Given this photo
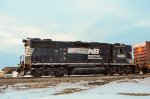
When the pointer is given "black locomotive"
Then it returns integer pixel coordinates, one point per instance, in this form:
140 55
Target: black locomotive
44 57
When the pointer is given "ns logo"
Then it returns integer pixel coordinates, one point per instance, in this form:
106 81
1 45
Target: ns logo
93 51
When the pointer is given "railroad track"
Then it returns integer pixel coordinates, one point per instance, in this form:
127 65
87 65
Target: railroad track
72 79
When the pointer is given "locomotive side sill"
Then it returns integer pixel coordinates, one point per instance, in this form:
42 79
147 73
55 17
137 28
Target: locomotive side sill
118 64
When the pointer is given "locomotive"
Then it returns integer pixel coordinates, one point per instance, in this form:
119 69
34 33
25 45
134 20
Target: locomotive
45 57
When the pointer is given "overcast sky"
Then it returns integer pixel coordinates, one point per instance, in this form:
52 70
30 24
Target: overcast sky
124 21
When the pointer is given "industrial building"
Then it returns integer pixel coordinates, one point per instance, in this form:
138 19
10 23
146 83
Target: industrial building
2 74
9 70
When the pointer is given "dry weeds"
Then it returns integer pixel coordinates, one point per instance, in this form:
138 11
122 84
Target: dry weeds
97 83
68 91
135 94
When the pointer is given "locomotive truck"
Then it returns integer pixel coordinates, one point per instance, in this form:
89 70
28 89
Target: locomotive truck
45 57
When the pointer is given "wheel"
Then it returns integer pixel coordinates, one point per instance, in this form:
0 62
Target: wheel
106 72
111 71
56 73
46 73
127 70
61 74
120 71
144 70
39 72
121 74
36 73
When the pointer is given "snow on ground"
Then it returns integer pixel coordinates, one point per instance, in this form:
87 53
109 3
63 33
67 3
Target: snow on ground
123 89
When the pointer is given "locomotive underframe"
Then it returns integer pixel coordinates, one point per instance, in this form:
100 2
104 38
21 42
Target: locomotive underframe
63 69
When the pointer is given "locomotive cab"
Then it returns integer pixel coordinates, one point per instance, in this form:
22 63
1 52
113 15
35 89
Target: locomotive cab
121 60
122 53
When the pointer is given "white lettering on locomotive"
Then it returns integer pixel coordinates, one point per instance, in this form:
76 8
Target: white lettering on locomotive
93 51
83 51
28 51
94 57
121 55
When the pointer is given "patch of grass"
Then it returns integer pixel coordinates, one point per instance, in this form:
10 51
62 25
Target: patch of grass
135 94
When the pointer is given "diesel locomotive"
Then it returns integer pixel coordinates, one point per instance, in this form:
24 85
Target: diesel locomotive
45 57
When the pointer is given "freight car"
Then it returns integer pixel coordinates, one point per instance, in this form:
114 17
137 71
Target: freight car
45 57
142 56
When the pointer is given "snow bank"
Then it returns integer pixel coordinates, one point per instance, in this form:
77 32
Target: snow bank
107 91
